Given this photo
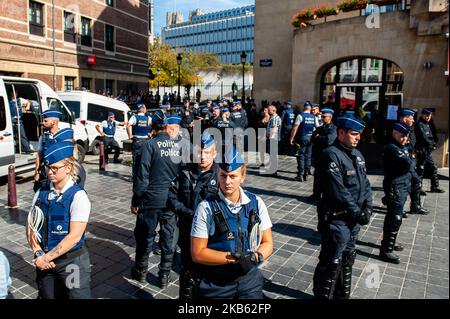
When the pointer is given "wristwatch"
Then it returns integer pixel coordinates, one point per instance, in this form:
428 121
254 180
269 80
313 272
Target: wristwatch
38 253
260 258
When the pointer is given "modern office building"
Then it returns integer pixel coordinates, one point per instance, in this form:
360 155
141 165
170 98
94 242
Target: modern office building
226 33
377 59
100 46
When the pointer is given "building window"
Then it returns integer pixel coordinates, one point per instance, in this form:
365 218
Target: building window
86 38
69 26
109 37
69 83
110 3
86 83
36 18
109 84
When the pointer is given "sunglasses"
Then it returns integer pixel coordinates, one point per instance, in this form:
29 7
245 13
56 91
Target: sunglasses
54 169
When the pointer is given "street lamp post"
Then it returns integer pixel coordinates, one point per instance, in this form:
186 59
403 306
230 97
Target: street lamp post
159 71
179 58
243 60
171 82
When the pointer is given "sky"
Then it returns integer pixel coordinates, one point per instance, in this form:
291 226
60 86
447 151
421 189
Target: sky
164 6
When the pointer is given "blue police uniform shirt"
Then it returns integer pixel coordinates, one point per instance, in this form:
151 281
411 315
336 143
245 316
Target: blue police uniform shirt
70 205
308 124
325 136
160 160
288 118
342 173
140 125
397 162
109 128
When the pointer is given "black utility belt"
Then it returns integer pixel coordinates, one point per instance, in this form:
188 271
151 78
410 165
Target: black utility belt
340 215
73 254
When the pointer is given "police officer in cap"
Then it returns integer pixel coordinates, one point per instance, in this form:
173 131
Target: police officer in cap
239 116
425 145
107 129
138 129
195 182
346 204
397 186
287 120
160 160
231 235
215 117
407 116
323 137
56 228
304 124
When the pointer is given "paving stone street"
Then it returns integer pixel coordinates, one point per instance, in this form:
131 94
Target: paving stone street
422 273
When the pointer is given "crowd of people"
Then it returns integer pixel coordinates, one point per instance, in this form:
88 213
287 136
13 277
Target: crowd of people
222 230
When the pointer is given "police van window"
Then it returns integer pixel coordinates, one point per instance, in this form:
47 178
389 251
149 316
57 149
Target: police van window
56 104
74 106
98 113
2 115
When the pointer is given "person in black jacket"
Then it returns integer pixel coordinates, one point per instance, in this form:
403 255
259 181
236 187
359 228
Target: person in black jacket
160 160
346 204
426 143
193 184
397 186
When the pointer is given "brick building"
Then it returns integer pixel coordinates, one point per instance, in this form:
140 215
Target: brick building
96 45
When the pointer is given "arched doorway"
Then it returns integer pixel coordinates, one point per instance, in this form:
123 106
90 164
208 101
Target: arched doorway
372 89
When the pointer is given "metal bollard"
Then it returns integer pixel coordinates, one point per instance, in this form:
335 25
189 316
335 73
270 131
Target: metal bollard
102 163
12 194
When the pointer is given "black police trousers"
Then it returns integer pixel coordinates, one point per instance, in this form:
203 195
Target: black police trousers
144 233
332 276
304 155
188 274
111 146
416 187
136 151
249 286
70 279
426 165
24 143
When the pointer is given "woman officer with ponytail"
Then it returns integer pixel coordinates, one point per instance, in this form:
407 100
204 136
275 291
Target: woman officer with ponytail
56 229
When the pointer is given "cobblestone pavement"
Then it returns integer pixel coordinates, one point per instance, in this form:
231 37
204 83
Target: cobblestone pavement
422 273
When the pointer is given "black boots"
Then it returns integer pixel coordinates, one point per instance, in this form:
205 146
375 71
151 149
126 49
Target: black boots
387 248
324 279
437 190
343 286
138 275
163 280
417 209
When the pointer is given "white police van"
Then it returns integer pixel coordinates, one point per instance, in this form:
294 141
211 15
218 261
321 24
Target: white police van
39 97
92 109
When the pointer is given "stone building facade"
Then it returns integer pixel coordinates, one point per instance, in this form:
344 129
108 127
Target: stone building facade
110 34
377 60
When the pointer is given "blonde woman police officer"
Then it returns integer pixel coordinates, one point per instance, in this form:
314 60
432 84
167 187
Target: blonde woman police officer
231 235
56 229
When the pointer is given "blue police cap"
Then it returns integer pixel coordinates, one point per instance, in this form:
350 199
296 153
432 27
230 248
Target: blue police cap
64 134
327 111
406 112
307 104
231 161
209 100
316 105
224 100
427 110
140 106
111 114
351 122
159 118
51 113
57 152
216 107
402 128
236 103
288 102
225 109
174 120
207 140
165 106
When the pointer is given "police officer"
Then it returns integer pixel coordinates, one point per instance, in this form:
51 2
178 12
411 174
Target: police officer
194 183
215 117
15 108
206 114
407 116
304 124
323 137
222 124
160 160
425 144
56 228
197 112
52 135
187 120
346 204
138 129
231 235
107 130
397 186
165 107
287 120
238 116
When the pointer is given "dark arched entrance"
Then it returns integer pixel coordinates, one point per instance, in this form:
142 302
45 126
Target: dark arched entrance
372 89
